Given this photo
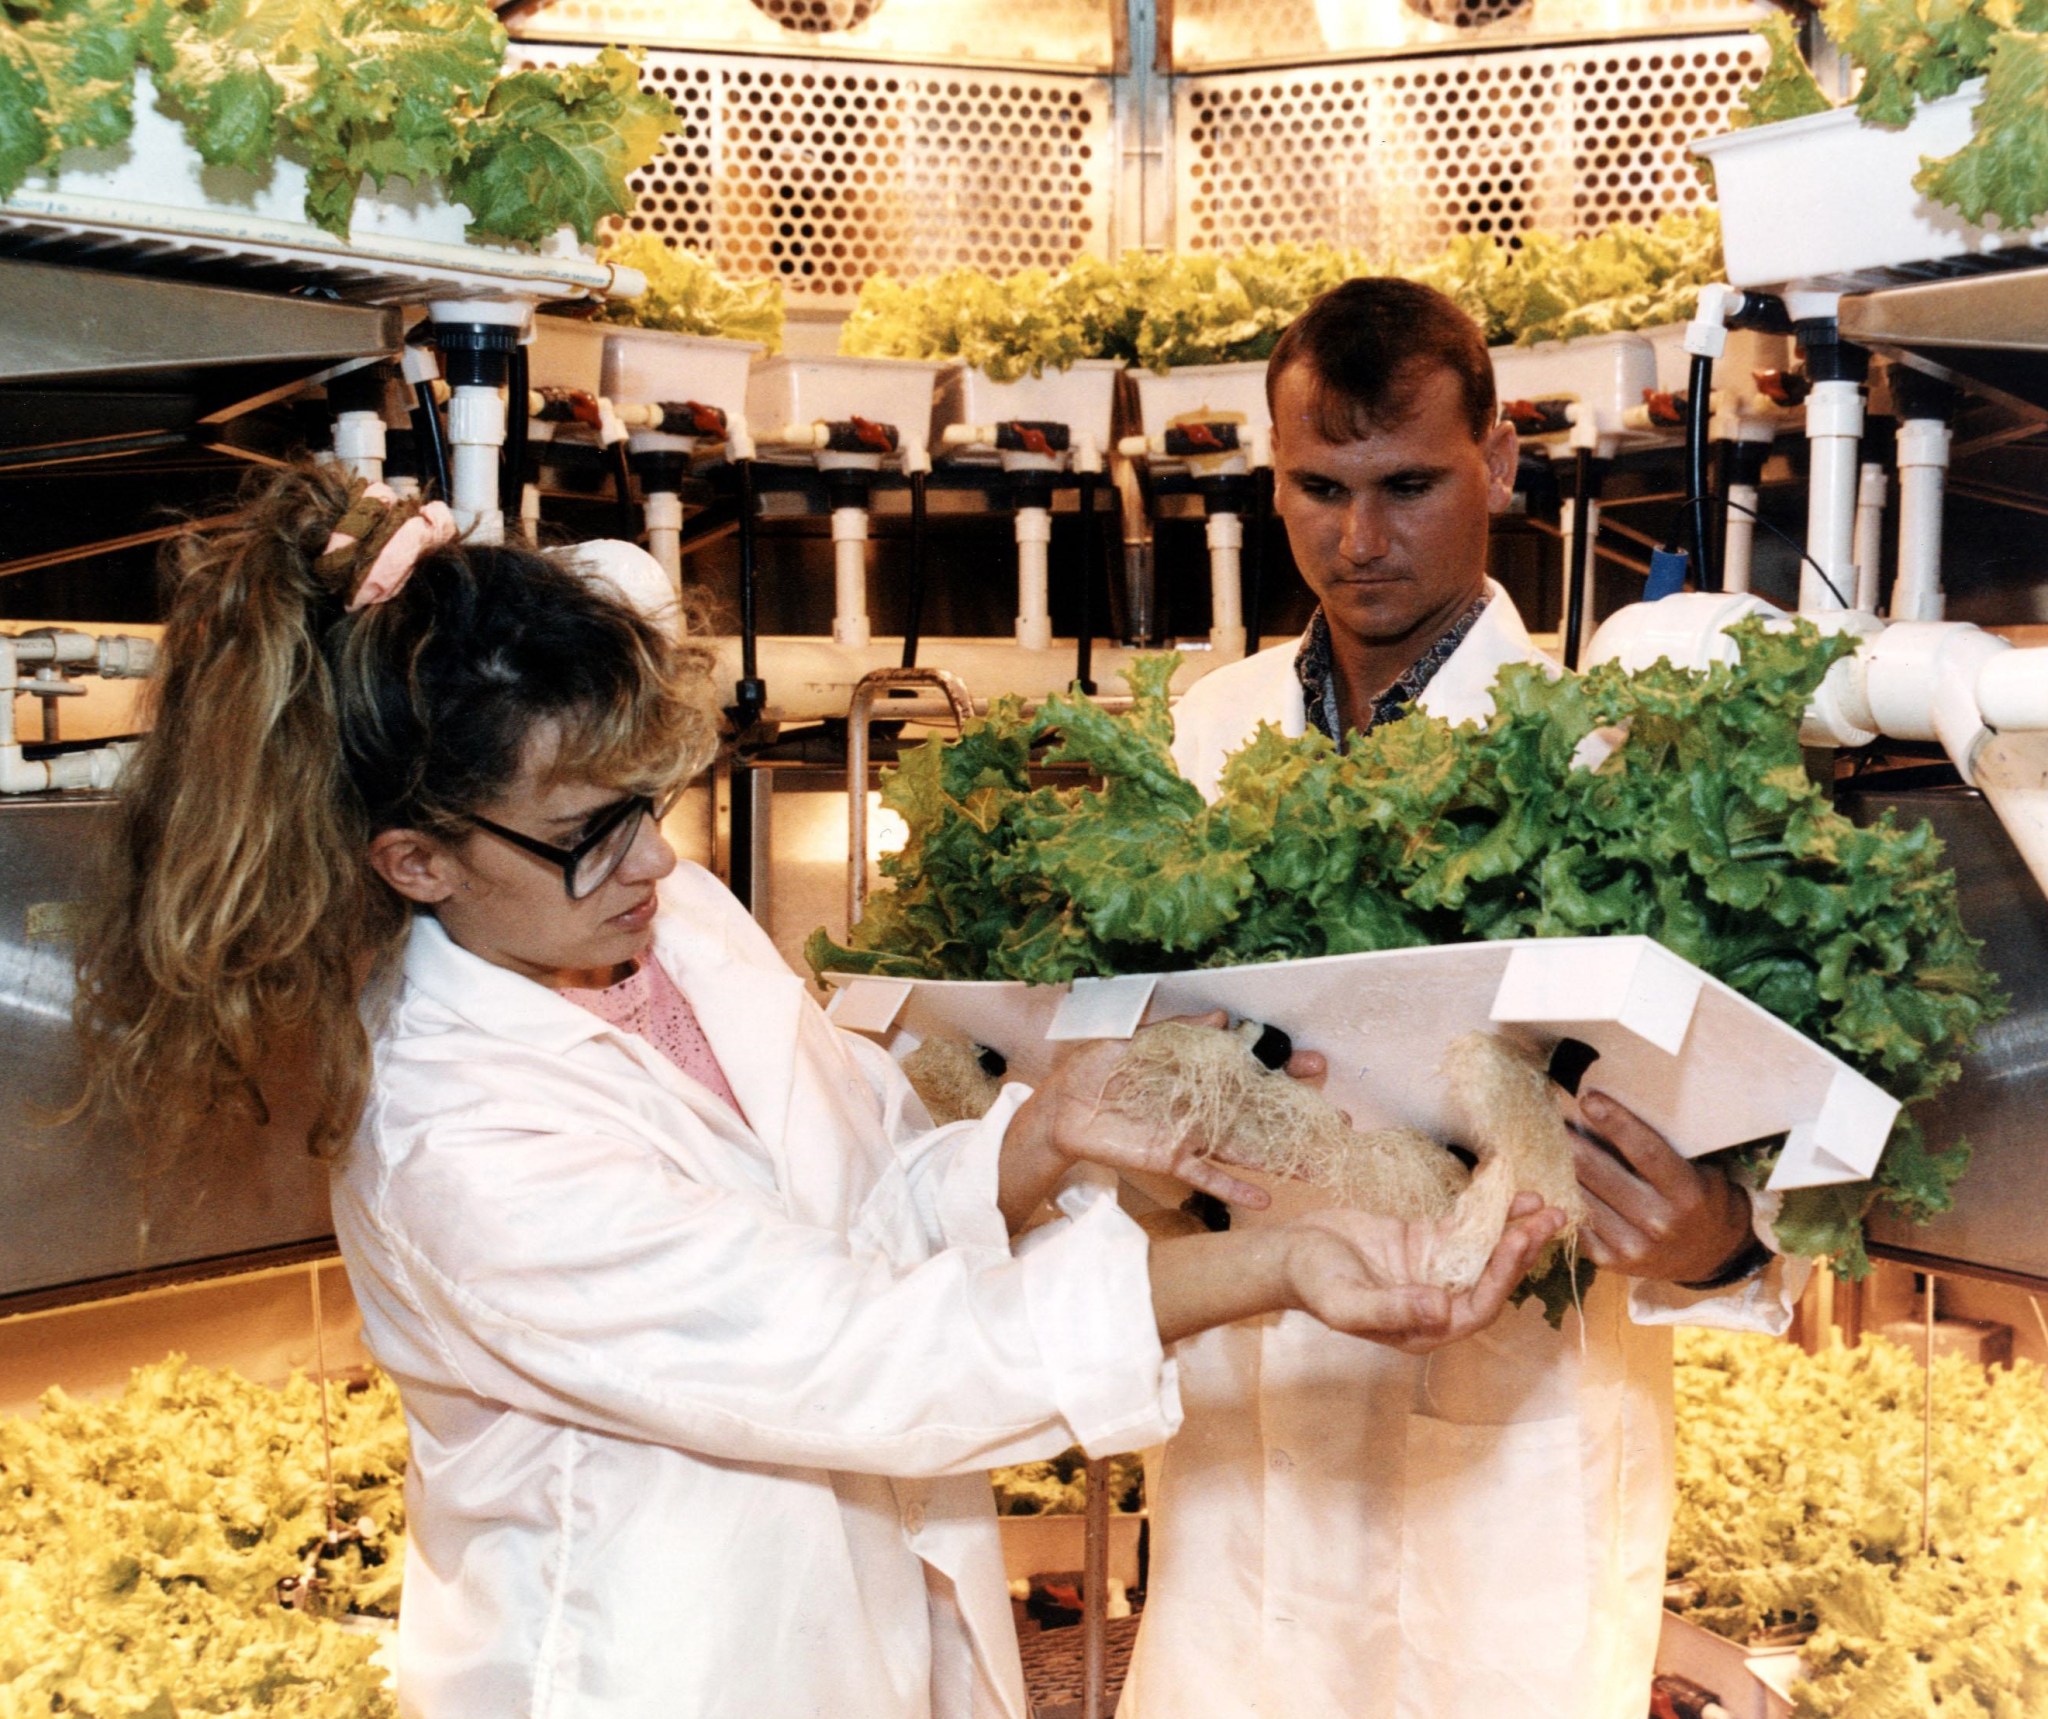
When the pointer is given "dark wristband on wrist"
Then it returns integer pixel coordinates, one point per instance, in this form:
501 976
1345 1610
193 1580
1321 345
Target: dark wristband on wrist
1748 1260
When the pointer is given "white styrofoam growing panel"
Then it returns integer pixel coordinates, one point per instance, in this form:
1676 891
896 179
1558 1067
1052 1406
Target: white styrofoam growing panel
1827 201
151 199
1399 157
1666 1033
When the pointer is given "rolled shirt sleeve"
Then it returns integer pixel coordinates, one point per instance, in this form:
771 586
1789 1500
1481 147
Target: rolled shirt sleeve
1765 1302
591 1281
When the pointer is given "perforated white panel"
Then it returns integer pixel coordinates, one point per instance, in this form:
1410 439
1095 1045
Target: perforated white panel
1213 34
827 172
1060 35
1399 157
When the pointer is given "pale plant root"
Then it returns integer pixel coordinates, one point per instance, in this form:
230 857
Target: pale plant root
1516 1126
1205 1086
1200 1084
947 1074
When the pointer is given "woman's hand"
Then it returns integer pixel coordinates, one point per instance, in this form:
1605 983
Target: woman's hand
1067 1120
1356 1272
1361 1273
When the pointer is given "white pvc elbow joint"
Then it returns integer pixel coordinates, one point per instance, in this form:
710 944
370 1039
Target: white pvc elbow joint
1706 336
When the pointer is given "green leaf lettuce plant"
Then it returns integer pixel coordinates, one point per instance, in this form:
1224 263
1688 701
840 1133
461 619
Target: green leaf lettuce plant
1701 830
408 89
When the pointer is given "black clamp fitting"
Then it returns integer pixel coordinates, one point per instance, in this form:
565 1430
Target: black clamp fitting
1830 358
475 354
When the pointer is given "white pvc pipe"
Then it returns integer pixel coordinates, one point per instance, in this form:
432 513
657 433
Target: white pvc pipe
1923 477
1226 585
1834 427
117 657
1872 488
664 513
1738 551
850 576
1034 589
529 511
2012 774
359 443
2012 689
1566 534
476 433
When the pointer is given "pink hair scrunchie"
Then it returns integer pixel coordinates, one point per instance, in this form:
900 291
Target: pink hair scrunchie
431 528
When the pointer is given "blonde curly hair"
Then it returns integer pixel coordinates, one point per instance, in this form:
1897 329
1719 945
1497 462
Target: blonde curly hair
241 915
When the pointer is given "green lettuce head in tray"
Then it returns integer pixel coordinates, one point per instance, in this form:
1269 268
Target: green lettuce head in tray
1701 829
411 89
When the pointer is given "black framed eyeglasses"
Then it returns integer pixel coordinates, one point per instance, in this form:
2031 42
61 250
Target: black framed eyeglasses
606 841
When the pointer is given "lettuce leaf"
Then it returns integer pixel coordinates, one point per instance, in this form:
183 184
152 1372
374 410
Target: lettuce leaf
2003 170
687 295
1786 88
377 88
1912 51
1165 311
143 1537
553 148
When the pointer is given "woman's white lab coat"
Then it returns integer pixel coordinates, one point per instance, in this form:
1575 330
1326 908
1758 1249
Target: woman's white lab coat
1341 1531
700 1406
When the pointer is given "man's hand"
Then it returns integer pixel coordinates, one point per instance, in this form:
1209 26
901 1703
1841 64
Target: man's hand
1360 1273
1649 1212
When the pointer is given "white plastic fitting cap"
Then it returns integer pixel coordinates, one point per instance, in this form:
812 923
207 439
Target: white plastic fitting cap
1689 630
630 571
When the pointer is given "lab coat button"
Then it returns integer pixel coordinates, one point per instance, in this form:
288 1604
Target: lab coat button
1280 1462
913 1518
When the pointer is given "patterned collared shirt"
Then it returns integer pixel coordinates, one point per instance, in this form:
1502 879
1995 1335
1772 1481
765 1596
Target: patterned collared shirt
1315 669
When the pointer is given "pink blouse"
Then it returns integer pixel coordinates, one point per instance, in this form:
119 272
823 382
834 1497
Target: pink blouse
647 1003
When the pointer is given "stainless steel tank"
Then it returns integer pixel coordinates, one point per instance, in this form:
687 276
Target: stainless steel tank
2000 1221
92 1205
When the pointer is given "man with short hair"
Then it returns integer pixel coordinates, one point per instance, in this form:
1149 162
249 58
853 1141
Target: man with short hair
1340 1529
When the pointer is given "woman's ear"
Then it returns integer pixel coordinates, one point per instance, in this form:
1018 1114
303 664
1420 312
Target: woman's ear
416 865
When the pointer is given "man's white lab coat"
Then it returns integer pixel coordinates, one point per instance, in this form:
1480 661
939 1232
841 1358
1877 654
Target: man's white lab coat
701 1406
1341 1531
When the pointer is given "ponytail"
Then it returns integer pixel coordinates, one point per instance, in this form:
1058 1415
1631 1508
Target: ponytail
241 917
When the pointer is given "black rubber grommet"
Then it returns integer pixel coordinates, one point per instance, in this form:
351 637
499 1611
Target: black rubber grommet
1569 1062
1273 1047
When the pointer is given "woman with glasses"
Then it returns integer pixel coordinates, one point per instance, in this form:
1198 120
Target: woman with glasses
705 1336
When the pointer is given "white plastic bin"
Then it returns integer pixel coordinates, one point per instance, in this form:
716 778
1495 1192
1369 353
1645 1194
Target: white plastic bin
567 353
1750 1681
1218 388
1083 398
1053 1545
897 391
1748 352
643 365
1607 372
1828 202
